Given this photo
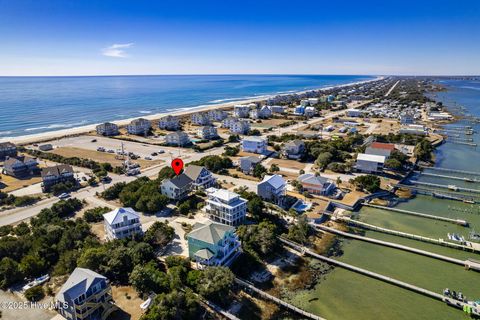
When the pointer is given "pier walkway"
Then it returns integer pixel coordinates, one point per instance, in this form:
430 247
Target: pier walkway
409 235
287 305
392 245
447 176
438 185
363 271
419 214
451 170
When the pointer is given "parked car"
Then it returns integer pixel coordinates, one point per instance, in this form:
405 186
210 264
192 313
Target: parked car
101 149
106 179
93 140
148 158
154 154
64 196
111 151
161 151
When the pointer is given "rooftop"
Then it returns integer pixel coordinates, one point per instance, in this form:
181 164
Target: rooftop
370 157
210 232
116 216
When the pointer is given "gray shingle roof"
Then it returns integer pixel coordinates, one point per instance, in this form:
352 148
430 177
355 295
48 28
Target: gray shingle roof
78 283
210 232
181 181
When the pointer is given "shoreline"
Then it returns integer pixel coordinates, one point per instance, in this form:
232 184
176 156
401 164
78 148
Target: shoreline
55 134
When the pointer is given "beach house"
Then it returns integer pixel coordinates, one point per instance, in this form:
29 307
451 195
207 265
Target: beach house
139 126
254 144
241 111
107 129
178 138
121 223
20 167
212 244
272 188
7 149
225 206
260 113
247 164
86 295
200 119
370 163
314 184
169 123
354 113
294 149
380 149
61 173
217 115
177 188
200 176
239 127
207 132
278 109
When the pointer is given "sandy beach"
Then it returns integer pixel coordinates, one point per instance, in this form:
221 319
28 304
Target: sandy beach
51 135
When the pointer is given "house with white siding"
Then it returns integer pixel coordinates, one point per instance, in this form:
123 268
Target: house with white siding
139 126
121 223
7 149
273 188
177 188
207 132
169 123
178 138
240 127
225 207
217 115
200 176
254 144
370 163
107 129
200 119
241 111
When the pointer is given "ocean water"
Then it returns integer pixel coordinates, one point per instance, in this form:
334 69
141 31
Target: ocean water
30 105
345 295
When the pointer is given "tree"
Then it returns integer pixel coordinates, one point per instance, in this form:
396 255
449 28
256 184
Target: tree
215 283
32 266
93 258
255 206
114 191
258 239
147 278
166 173
173 306
259 170
423 150
367 182
95 214
393 164
9 272
141 253
159 234
274 168
35 294
21 229
298 232
231 151
323 159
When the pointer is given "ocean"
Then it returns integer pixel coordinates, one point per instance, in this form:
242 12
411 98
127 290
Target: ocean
30 105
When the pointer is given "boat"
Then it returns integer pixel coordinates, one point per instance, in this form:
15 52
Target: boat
453 187
146 304
468 201
36 282
469 179
455 237
458 300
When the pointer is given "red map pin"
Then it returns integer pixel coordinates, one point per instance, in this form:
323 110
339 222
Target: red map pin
177 165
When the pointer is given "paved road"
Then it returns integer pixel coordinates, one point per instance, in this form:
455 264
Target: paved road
391 89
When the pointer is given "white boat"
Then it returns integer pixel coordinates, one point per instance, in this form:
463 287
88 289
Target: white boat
36 282
146 304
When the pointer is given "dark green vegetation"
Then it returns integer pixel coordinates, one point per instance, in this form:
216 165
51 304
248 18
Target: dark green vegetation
95 214
369 182
214 163
335 151
9 200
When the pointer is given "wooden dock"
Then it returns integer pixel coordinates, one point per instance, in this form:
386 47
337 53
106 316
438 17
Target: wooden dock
278 301
452 170
419 214
443 186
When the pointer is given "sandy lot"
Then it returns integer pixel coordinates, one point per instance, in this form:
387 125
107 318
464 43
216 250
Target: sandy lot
12 183
127 299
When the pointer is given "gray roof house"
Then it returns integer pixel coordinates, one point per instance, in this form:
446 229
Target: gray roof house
56 174
213 244
273 188
247 164
177 188
316 184
294 149
122 223
85 295
7 149
20 166
200 176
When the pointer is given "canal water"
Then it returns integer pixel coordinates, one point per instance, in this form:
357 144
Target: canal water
346 295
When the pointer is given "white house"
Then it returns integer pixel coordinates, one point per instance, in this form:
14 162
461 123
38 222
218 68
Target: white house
370 163
178 138
241 111
316 184
247 164
139 126
177 188
272 188
217 115
207 132
240 127
310 112
229 122
354 113
225 207
278 109
294 149
107 129
254 144
200 176
260 113
169 123
200 119
121 223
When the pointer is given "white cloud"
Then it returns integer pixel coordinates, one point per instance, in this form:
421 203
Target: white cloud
117 50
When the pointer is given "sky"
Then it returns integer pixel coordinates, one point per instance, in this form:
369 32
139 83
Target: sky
116 37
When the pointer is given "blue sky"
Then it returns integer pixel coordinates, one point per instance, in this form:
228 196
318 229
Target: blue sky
72 37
